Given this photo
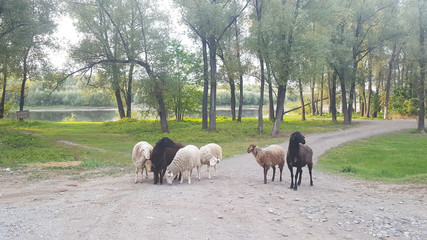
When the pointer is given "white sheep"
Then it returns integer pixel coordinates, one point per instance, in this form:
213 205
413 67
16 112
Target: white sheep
185 159
211 155
141 155
269 157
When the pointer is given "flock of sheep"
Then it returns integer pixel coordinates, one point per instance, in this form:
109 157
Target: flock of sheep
173 159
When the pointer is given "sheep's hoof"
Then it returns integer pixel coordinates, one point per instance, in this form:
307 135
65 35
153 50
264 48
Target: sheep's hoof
295 189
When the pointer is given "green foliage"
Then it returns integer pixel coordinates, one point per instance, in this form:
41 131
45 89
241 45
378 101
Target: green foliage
398 157
74 97
402 102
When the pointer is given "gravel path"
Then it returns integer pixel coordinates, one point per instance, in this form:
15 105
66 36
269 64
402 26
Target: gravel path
234 205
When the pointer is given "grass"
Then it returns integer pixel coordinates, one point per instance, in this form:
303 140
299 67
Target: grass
24 142
395 158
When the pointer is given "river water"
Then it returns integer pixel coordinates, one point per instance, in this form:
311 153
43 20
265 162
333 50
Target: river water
103 115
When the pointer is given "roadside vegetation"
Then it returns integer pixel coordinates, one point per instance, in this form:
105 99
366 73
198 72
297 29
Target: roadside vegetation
110 144
395 158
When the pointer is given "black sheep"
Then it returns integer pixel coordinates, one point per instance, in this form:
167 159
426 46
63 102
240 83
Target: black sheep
298 156
163 153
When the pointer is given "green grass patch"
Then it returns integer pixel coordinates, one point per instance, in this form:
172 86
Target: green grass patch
396 158
109 144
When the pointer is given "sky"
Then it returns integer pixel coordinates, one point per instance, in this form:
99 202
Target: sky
68 36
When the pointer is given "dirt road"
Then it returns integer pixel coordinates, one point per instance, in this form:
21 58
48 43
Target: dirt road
234 205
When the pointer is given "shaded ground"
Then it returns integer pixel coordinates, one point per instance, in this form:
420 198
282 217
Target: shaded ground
234 205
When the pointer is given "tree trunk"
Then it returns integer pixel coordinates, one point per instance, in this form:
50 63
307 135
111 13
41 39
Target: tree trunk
321 95
344 99
205 86
240 111
3 95
422 62
281 94
116 87
352 95
233 96
368 103
313 100
24 81
129 92
270 93
212 105
162 113
302 100
261 97
387 89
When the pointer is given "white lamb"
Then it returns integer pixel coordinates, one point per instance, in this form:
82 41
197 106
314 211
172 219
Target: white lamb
185 159
141 155
211 155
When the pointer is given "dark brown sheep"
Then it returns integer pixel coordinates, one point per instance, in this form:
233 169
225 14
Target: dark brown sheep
163 153
298 156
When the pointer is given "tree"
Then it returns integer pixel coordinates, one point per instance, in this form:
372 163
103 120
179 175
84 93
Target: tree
122 32
34 37
422 61
13 16
210 20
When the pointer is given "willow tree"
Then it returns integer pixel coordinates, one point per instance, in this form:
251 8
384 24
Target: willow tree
120 33
210 20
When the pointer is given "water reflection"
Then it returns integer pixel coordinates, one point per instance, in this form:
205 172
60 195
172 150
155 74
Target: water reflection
104 115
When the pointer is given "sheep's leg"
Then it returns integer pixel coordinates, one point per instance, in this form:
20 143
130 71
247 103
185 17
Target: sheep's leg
189 176
162 174
300 175
296 178
198 171
311 179
265 175
292 176
146 173
209 173
156 176
215 170
136 175
274 173
181 180
281 169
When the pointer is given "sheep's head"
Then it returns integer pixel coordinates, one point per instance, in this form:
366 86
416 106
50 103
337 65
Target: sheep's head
251 148
213 161
170 176
297 137
147 153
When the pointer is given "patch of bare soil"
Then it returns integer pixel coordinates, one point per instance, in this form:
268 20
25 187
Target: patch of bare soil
233 205
54 164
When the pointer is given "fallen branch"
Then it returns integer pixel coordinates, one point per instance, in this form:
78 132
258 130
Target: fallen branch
293 109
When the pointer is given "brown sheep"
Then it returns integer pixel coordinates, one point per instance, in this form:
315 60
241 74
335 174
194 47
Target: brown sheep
269 157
